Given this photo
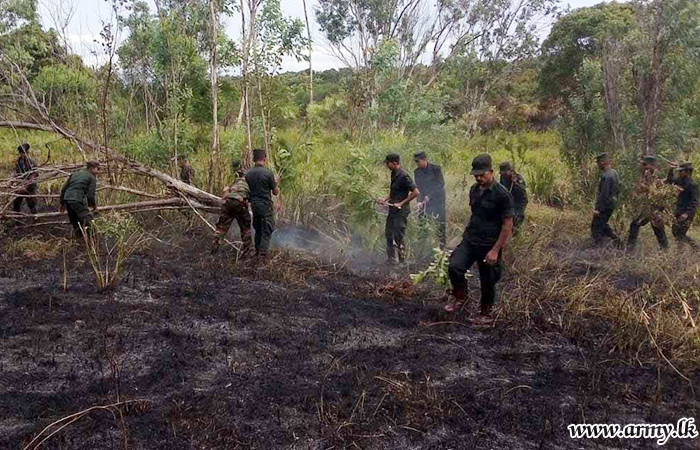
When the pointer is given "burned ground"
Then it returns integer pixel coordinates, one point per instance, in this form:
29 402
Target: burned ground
303 353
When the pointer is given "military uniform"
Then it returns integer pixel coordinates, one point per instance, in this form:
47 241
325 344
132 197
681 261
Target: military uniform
518 190
235 207
77 195
261 182
431 183
187 174
648 181
686 203
608 189
24 167
489 207
397 220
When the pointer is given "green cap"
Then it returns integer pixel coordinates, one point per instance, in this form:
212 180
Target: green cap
392 157
686 166
505 167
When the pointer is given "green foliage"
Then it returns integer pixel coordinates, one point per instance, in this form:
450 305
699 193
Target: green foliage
70 93
436 271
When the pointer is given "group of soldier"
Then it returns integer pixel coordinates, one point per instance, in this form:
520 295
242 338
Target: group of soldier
497 210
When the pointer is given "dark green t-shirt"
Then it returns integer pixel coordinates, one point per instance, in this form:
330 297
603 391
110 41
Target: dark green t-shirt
261 182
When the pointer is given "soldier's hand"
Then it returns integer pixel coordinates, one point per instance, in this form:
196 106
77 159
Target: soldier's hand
382 201
683 217
491 257
62 208
596 213
673 164
94 209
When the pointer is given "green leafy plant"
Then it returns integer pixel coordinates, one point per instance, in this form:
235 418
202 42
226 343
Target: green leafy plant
437 270
112 238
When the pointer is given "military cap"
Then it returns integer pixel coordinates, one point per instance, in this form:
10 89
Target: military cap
236 164
258 154
392 157
481 164
24 148
91 164
686 166
602 157
420 155
649 160
505 166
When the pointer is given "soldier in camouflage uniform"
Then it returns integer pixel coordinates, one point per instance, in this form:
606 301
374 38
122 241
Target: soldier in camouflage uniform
186 170
78 194
686 204
653 213
235 207
24 168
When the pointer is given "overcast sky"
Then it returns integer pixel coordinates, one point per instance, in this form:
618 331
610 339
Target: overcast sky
85 18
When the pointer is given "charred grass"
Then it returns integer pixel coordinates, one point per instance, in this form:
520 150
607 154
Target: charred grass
319 352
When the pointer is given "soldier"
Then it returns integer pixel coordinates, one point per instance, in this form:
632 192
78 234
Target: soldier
486 234
515 184
608 189
686 204
235 207
77 194
263 185
186 170
653 216
25 169
401 192
431 200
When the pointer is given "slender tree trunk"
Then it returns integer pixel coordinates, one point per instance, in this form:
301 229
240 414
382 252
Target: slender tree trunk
653 83
214 97
612 66
246 37
262 114
311 69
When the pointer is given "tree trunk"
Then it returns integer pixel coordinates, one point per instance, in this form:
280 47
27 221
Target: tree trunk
311 69
612 66
214 97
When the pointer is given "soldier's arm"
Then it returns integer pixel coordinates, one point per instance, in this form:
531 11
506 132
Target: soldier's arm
92 188
63 191
605 194
440 179
670 178
693 205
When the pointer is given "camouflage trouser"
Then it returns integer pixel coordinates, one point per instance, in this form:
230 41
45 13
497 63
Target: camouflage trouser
31 201
657 225
79 216
231 210
680 232
264 224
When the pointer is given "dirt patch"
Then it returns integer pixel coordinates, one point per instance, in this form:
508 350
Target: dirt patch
302 353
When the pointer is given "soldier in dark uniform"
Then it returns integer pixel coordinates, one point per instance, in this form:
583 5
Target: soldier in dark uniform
431 185
263 185
401 192
186 170
235 207
25 169
515 184
608 189
486 234
78 194
686 204
653 215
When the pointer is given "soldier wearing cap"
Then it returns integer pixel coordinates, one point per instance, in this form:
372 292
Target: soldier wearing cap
186 170
687 202
608 190
24 168
401 192
486 234
78 194
262 184
235 207
653 214
515 184
431 184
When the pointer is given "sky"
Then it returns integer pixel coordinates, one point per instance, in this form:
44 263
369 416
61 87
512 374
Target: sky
82 21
